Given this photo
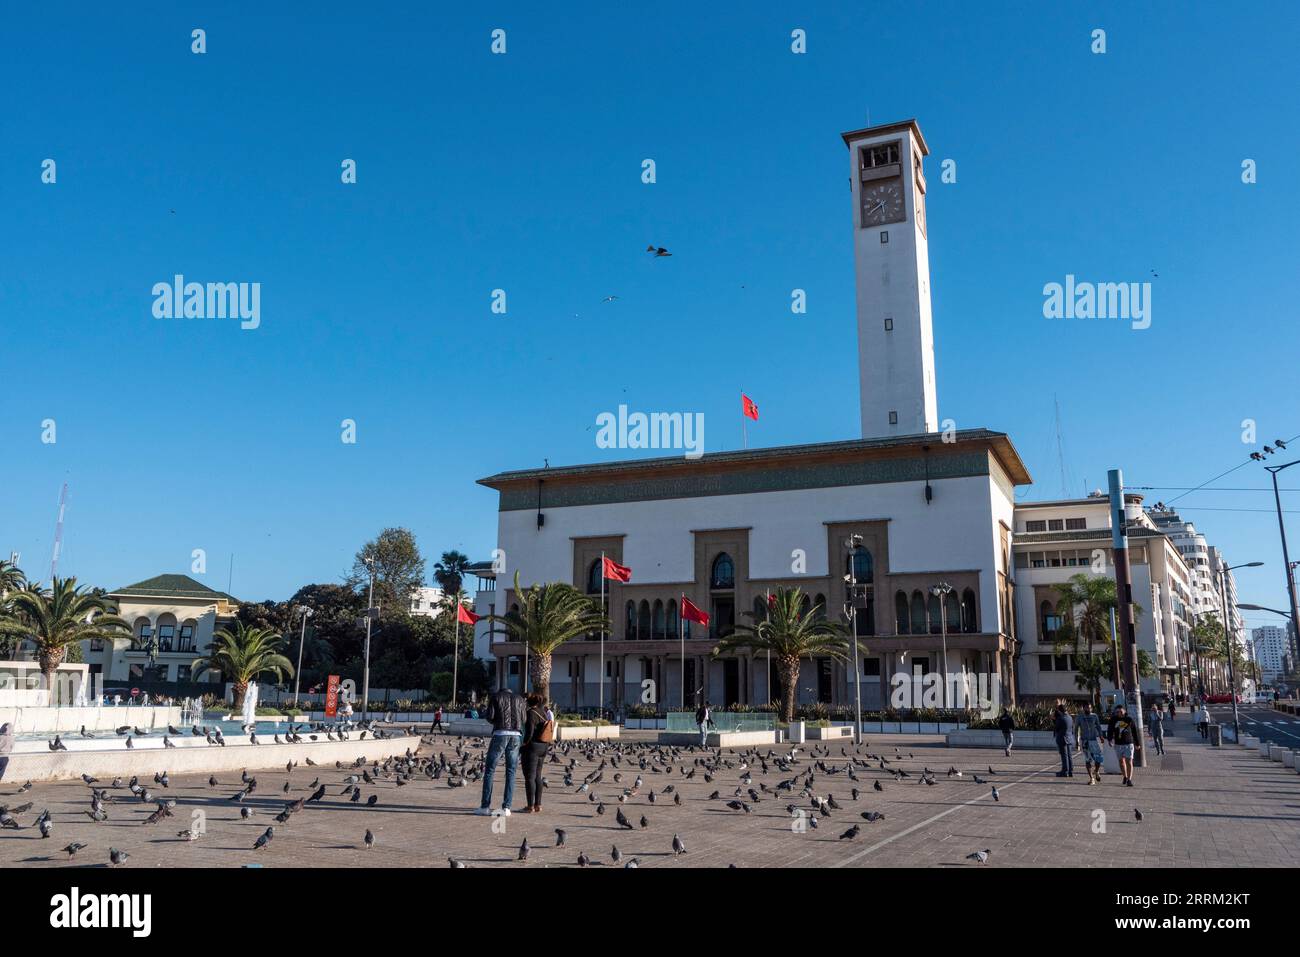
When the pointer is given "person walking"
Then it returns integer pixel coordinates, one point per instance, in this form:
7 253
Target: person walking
1172 712
6 747
1203 721
1007 725
505 710
704 718
1156 722
1063 729
1089 725
539 733
1121 734
437 720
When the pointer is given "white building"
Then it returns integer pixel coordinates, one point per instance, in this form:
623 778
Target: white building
1270 651
1057 540
426 602
173 619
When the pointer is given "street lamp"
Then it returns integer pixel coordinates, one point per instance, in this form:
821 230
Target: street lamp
941 591
853 543
1228 643
1281 529
302 640
370 616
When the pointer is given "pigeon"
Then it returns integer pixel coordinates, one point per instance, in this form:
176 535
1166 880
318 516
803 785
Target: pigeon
117 857
622 820
524 850
644 821
615 854
189 834
657 250
981 856
317 794
57 744
129 745
455 864
560 835
1137 814
877 786
583 859
369 839
85 733
46 825
245 813
72 849
851 833
996 798
678 846
871 817
265 839
634 862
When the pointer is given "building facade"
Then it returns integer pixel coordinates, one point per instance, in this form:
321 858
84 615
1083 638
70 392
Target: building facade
1271 648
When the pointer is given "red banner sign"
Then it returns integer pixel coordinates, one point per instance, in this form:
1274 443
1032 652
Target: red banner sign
332 696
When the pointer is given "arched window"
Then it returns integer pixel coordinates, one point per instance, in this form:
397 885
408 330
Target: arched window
660 628
143 632
186 638
858 563
935 621
805 606
724 572
969 618
631 621
595 574
820 604
166 631
952 608
900 612
918 613
643 620
672 618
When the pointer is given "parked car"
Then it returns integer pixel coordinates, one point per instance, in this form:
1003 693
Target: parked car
1221 697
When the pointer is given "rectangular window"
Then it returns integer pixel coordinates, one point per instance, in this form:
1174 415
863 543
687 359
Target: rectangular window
871 667
893 418
1044 662
884 237
1055 525
889 323
183 672
1038 563
1063 663
513 667
1076 523
884 154
1037 526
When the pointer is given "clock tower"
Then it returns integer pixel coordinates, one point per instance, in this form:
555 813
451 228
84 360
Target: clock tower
892 263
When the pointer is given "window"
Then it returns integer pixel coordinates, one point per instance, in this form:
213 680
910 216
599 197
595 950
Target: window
630 633
1076 523
871 667
889 324
969 618
513 666
595 576
883 154
724 572
1063 663
96 644
187 637
643 620
1035 526
660 626
918 613
1055 525
893 417
862 568
1044 662
900 613
884 237
183 672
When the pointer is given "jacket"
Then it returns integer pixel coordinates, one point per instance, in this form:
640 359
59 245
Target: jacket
1006 723
1089 727
1120 730
1063 728
534 722
506 711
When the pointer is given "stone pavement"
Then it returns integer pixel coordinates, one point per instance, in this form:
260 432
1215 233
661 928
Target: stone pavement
1202 807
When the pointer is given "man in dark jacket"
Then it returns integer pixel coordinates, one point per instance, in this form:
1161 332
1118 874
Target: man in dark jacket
505 709
1007 725
1063 731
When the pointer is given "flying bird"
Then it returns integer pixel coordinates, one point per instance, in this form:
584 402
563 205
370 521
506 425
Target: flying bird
657 250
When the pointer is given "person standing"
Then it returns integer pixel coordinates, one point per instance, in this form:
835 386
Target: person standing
6 747
1203 721
539 733
1007 725
704 718
1089 725
1063 730
1121 734
505 710
1156 723
437 720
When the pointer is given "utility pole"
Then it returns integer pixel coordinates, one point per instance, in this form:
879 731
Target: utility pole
1286 558
302 640
1124 609
370 616
853 543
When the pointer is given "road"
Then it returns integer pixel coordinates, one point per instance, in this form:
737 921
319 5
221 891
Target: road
1261 721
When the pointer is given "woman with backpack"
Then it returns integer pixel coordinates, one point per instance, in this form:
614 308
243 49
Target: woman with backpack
539 733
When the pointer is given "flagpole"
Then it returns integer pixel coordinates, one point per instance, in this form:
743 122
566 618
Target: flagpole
744 433
681 637
455 655
601 708
769 652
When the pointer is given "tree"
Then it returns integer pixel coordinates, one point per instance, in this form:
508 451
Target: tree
58 617
12 578
548 616
1084 607
1093 670
398 570
449 572
240 656
789 633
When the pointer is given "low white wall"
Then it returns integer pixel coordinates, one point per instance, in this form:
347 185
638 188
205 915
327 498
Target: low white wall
727 739
1023 740
586 734
106 765
67 720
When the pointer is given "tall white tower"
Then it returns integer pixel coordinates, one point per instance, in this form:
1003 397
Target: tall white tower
892 262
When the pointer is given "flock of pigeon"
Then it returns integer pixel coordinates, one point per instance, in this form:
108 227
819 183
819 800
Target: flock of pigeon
214 737
627 781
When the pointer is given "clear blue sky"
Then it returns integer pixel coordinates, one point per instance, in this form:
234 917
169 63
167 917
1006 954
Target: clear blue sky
522 172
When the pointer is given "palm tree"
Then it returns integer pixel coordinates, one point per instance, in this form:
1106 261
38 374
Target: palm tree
1084 607
59 617
243 654
450 570
790 633
12 578
548 616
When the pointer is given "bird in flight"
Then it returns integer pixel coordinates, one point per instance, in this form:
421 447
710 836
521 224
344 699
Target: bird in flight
657 250
614 298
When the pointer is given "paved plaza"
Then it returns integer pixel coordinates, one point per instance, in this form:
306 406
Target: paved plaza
1201 807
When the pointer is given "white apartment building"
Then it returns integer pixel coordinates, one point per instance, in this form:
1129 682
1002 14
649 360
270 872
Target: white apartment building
1271 649
426 601
1056 540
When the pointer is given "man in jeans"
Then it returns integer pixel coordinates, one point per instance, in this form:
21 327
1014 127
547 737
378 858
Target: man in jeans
1007 725
1063 728
505 709
704 718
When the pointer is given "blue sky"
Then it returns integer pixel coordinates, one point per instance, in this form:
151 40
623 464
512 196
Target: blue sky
522 172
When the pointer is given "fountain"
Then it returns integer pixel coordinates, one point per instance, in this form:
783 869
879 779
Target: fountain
250 704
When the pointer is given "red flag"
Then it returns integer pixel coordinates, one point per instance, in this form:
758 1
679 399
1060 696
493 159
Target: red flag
465 616
771 601
692 613
617 572
748 407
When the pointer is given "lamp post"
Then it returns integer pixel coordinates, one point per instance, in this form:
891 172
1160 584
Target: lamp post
302 640
1276 611
853 543
1281 530
370 616
942 591
1228 643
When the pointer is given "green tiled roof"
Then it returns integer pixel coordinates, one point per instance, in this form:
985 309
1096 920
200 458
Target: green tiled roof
172 586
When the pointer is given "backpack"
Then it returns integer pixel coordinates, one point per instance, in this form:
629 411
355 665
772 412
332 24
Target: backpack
545 734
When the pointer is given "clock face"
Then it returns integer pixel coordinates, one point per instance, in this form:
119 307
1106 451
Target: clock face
882 202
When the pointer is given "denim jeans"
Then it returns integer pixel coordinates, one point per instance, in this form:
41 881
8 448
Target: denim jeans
4 763
704 735
1067 756
509 744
